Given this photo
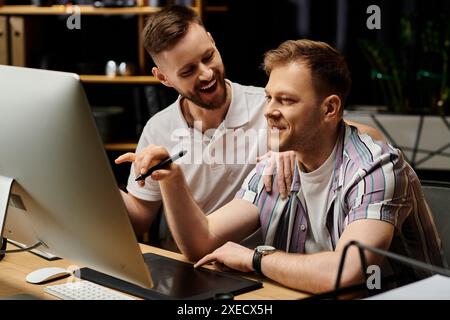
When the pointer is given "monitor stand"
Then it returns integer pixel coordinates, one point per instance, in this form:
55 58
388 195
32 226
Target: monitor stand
6 185
5 190
43 254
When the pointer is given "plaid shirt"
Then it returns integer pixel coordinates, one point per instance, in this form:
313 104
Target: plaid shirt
371 180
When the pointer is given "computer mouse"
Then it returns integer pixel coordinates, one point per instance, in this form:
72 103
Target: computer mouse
46 274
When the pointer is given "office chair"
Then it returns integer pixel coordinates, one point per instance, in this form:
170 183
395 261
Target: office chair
437 195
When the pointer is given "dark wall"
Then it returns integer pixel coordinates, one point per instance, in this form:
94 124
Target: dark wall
252 27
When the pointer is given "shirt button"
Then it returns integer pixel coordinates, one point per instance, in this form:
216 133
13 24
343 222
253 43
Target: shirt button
303 227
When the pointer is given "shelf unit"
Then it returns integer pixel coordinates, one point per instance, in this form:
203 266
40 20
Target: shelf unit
22 11
90 10
67 10
121 147
118 79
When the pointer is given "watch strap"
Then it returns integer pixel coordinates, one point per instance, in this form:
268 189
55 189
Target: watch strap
256 263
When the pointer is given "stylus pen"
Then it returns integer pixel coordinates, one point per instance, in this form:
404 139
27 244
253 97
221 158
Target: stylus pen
161 165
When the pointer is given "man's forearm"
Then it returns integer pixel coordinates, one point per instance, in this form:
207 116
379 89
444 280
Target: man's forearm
141 213
186 219
313 273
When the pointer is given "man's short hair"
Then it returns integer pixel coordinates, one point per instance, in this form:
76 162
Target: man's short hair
328 67
165 28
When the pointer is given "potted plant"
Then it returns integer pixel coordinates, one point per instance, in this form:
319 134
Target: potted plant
414 80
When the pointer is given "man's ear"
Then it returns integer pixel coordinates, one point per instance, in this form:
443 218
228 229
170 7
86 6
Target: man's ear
332 106
210 37
161 77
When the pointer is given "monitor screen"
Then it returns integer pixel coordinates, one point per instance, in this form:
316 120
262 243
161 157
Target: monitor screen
63 183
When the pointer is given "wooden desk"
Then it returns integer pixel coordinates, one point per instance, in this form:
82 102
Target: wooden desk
15 266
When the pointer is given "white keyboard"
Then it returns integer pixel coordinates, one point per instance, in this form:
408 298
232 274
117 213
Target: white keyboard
84 290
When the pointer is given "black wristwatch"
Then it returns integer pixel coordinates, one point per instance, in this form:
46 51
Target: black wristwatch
261 251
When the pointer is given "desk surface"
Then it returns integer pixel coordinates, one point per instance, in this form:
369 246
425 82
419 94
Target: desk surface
15 266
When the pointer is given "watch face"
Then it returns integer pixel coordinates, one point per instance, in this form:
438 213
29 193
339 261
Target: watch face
263 249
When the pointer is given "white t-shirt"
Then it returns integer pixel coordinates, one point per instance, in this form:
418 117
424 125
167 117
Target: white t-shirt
218 161
315 187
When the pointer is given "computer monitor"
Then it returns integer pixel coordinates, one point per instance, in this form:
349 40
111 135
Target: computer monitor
63 181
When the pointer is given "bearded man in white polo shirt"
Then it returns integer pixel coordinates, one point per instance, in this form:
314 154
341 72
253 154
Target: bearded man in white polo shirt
219 122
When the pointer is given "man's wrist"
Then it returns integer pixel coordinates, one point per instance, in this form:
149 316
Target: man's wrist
258 254
175 176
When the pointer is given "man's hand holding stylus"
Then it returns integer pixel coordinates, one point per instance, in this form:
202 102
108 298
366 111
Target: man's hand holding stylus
147 158
283 163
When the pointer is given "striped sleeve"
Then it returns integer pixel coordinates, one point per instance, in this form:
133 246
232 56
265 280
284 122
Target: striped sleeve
380 186
253 184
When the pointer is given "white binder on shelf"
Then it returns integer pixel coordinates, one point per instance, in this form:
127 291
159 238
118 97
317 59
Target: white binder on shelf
17 34
4 50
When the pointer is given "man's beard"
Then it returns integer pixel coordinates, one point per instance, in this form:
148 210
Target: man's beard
196 96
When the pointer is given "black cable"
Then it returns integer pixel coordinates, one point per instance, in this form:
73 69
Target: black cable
347 290
408 261
34 246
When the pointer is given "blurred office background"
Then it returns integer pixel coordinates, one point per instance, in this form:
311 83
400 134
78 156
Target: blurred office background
400 71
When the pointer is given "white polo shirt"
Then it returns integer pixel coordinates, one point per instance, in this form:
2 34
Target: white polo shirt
217 162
